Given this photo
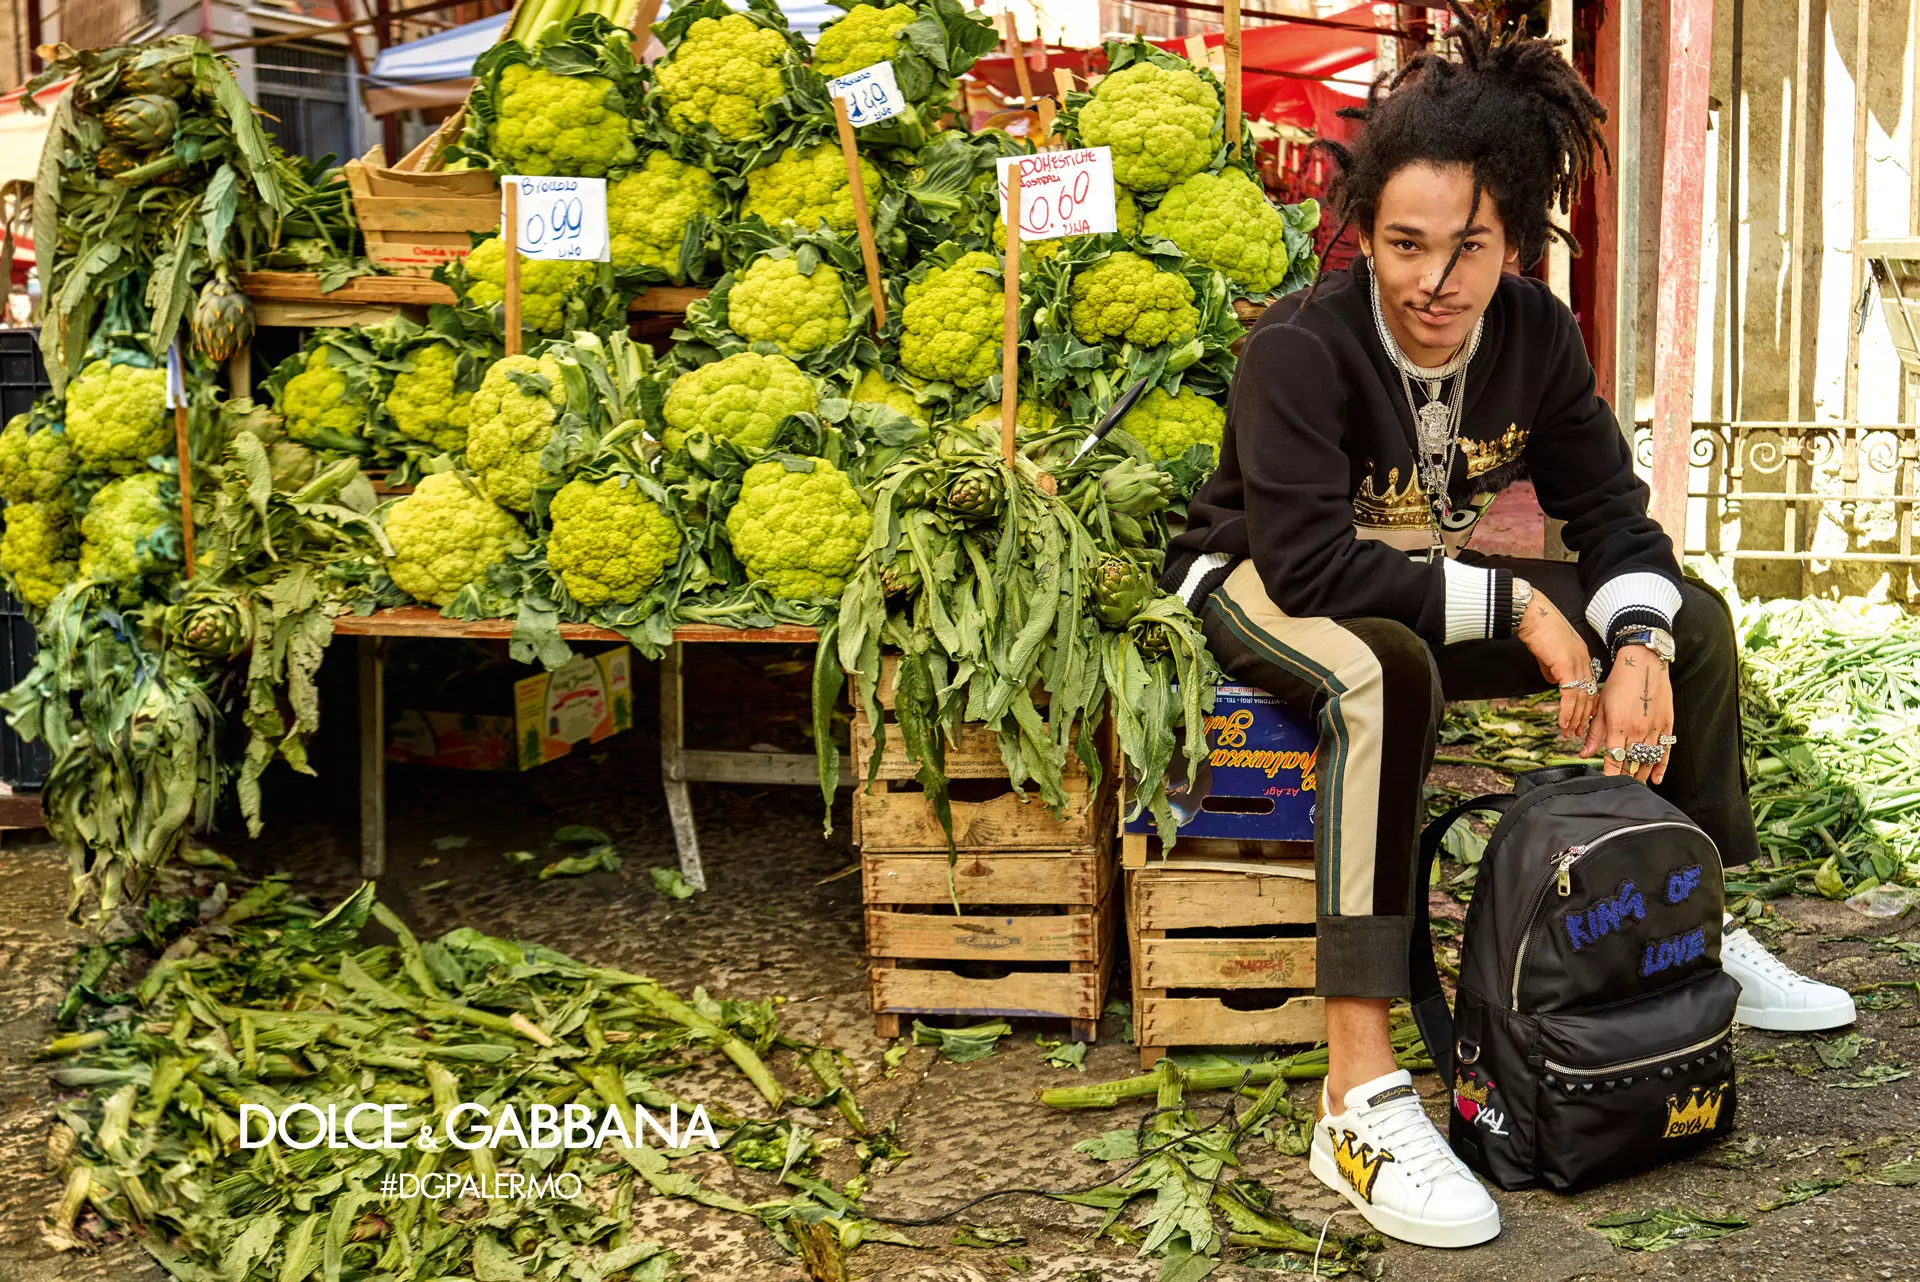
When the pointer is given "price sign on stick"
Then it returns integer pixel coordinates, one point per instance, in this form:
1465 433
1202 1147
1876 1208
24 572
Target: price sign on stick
872 94
560 218
1062 193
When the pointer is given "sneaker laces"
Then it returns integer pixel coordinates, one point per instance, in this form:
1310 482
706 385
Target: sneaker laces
1409 1134
1741 943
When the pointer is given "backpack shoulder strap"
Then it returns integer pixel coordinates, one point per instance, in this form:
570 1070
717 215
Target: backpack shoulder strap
1430 1013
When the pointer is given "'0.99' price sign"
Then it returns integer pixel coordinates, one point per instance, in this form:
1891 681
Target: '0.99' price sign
1062 193
561 218
872 94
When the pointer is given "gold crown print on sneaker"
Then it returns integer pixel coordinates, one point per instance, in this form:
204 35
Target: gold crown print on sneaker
1383 1154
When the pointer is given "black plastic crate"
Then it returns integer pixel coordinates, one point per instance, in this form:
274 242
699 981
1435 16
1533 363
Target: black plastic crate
23 375
22 764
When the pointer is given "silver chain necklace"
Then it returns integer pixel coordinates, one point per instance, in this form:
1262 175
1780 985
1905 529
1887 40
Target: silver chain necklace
1436 425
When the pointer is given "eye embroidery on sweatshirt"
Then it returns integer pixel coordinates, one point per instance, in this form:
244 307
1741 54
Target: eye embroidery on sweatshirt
1591 924
1359 1164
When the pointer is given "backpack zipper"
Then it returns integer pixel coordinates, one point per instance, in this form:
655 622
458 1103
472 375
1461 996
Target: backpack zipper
1567 1071
1563 878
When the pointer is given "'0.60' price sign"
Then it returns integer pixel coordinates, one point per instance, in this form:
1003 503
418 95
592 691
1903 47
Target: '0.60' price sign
1062 193
560 218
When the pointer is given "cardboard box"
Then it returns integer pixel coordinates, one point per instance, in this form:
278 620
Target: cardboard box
540 717
415 216
1262 784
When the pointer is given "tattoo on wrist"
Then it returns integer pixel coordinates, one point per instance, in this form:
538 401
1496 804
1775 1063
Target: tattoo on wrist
1628 660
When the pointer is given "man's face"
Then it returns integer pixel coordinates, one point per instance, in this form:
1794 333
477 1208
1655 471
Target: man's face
1421 217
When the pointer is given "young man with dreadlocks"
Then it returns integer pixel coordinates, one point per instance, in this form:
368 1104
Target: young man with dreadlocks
1372 419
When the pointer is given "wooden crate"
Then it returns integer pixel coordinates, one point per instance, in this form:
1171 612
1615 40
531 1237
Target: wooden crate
1142 850
415 216
1198 935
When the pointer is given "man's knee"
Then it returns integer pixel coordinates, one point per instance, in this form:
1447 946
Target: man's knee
1401 677
1705 624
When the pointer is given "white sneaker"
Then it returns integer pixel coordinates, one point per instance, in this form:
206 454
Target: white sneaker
1385 1155
1773 995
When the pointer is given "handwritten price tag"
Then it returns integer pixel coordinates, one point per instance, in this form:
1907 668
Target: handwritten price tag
1062 193
563 218
872 94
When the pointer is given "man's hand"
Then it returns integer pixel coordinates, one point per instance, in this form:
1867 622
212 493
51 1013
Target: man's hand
1563 658
1636 707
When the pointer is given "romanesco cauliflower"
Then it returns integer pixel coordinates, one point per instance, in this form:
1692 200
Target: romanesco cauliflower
1169 425
867 35
126 528
34 466
724 74
319 406
423 402
38 549
1126 221
1125 297
799 533
649 209
509 424
544 285
741 399
1162 124
117 415
771 300
808 186
553 124
1226 222
952 321
1028 417
610 542
444 535
874 389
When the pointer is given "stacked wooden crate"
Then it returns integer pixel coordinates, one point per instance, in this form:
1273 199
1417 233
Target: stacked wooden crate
415 216
1038 910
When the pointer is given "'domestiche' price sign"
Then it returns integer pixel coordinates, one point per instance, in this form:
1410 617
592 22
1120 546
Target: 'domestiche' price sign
1062 193
872 94
563 218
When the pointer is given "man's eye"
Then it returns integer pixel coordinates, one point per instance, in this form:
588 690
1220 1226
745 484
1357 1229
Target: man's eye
1472 246
1406 245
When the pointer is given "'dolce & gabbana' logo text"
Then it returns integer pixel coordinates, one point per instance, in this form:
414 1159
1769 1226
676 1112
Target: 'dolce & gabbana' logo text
468 1126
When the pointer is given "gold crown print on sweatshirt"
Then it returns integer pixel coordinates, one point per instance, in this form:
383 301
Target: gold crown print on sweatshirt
1397 507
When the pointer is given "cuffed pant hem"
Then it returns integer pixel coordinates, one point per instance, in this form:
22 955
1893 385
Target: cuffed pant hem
1362 956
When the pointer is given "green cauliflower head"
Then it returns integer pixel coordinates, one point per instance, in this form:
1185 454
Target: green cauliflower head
123 532
117 415
771 300
741 399
1169 425
649 209
319 405
34 466
951 324
799 533
444 536
545 284
1226 222
509 423
724 74
867 35
552 124
808 186
39 550
423 402
1125 297
609 542
1162 124
874 389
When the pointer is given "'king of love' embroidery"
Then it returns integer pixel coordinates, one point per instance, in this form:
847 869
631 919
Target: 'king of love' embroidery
1589 925
1681 883
1663 954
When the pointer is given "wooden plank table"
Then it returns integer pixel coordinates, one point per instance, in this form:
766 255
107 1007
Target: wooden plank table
679 765
295 297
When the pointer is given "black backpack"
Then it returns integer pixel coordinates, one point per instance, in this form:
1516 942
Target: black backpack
1592 1036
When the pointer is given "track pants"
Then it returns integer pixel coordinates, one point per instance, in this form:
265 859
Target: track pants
1377 693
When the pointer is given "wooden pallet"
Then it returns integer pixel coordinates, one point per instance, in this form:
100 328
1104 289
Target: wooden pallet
1034 938
1198 935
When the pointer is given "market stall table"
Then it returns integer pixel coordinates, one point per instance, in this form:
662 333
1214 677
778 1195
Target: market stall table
679 766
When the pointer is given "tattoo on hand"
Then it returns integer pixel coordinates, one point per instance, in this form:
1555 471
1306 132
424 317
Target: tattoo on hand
1628 660
1646 693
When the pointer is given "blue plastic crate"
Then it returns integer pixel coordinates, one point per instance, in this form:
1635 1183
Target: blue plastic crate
1261 760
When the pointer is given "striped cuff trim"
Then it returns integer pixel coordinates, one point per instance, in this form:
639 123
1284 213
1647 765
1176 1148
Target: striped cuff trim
1472 597
1194 585
1650 595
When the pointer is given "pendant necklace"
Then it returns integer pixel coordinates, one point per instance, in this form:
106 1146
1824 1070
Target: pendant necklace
1436 424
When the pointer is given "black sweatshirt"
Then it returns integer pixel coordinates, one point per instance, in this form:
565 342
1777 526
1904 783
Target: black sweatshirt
1318 483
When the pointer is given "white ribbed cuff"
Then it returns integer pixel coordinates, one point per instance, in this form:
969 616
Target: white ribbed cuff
1470 601
1204 564
1639 589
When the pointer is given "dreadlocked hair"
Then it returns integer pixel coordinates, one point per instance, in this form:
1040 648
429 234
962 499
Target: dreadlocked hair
1511 109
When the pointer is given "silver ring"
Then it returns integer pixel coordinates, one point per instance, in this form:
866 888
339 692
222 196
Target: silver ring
1668 740
1645 754
1584 687
1617 753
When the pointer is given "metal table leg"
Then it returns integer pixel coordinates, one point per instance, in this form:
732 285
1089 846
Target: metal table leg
673 774
373 757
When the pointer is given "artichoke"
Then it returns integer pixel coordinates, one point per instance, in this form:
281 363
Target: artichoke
293 465
1121 589
214 624
1136 488
144 122
222 320
168 77
112 161
975 493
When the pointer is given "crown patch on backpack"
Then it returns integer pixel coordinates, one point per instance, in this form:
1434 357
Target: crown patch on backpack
1700 1114
1359 1164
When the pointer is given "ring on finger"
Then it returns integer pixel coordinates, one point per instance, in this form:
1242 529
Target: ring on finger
1646 754
1617 752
